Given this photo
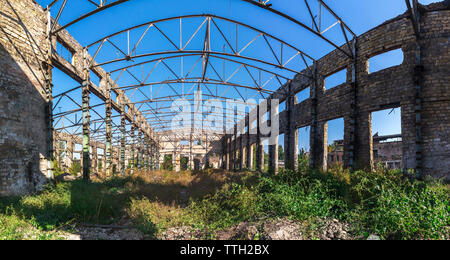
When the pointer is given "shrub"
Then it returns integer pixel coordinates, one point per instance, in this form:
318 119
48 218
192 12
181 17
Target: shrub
75 168
152 217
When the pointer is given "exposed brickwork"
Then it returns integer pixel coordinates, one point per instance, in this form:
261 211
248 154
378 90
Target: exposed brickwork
25 153
389 88
23 146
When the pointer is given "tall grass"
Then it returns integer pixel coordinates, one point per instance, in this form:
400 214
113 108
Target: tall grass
373 203
381 202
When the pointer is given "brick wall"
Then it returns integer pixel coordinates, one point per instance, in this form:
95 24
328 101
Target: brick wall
23 128
389 88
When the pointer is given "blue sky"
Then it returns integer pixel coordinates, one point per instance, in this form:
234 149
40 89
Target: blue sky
359 15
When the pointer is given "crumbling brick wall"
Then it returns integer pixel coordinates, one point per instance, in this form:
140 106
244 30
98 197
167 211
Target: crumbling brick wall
389 88
23 128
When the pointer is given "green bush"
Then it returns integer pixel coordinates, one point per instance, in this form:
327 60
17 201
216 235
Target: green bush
75 168
373 203
233 204
381 202
400 209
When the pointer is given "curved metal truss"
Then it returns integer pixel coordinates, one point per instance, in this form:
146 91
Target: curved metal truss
265 61
315 28
211 57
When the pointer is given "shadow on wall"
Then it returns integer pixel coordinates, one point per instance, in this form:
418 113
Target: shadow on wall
23 128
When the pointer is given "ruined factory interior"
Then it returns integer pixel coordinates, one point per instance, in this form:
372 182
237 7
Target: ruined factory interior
117 114
225 120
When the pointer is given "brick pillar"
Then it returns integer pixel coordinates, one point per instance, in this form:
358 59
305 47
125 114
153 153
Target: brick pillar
108 112
235 149
132 147
139 150
318 138
273 148
95 158
152 156
224 153
319 151
86 121
230 154
259 142
177 165
249 160
241 151
69 152
364 142
291 134
349 142
123 139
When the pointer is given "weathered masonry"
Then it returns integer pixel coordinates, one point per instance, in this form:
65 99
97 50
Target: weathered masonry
420 86
29 144
27 58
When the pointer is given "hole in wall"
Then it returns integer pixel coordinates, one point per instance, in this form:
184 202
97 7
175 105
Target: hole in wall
94 78
336 79
387 138
335 142
67 98
386 60
266 153
304 146
303 95
282 106
63 51
253 151
184 162
281 154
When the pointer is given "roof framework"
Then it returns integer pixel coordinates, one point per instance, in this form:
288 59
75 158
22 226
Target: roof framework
207 60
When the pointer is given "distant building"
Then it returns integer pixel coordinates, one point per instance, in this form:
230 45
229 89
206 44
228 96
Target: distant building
387 151
336 153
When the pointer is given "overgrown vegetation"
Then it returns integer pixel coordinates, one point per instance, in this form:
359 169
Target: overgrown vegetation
381 203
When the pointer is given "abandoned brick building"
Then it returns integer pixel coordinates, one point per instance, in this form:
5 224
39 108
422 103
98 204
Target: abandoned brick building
30 44
387 152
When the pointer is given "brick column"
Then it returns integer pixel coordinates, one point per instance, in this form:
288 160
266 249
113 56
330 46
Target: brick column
108 112
132 147
273 148
364 142
319 131
123 139
86 120
249 154
291 134
259 143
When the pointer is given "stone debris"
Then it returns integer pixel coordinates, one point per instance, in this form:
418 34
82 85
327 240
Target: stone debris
280 229
103 233
180 233
373 238
332 229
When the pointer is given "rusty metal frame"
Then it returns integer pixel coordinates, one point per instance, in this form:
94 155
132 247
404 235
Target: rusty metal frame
156 116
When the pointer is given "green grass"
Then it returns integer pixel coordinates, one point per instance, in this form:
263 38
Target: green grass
379 203
373 203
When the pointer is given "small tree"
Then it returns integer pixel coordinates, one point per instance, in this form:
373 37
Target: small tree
167 164
184 163
75 168
280 153
57 169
